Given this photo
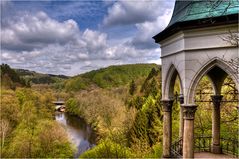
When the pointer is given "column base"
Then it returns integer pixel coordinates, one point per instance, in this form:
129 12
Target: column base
216 149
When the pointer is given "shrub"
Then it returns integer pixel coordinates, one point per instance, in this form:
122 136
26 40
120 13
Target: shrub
108 149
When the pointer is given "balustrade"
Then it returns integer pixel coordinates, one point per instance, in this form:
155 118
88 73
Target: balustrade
203 144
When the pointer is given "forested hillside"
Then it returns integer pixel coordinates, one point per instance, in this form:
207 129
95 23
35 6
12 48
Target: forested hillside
128 118
26 112
27 127
10 78
112 76
39 78
121 103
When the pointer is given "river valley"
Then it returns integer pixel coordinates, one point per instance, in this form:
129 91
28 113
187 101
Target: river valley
80 134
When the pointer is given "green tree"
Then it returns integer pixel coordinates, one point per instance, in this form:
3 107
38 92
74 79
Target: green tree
139 129
10 77
72 106
132 87
137 102
108 149
27 127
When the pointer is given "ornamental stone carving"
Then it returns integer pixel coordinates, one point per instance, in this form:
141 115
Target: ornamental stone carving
167 105
189 111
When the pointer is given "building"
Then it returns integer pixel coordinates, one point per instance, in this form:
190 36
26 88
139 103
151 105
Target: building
197 42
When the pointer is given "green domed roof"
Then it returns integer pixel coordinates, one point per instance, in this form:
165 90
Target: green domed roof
193 10
194 13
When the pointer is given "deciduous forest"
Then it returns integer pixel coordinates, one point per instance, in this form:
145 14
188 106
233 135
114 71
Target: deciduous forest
121 103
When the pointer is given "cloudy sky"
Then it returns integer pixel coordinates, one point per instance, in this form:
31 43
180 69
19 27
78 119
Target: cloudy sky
72 37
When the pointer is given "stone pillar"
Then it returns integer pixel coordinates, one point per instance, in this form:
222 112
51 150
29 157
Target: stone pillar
181 100
167 127
216 100
188 135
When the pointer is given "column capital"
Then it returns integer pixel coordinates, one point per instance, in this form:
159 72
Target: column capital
216 100
167 105
189 111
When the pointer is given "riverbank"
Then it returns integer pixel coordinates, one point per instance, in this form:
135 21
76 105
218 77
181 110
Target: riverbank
106 112
80 134
28 127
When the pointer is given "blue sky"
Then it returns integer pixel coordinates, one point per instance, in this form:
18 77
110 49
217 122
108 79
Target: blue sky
72 37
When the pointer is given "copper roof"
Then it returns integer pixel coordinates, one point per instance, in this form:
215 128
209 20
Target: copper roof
197 13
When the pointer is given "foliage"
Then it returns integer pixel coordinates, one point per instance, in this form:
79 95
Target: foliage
142 133
229 110
76 83
40 78
10 78
72 106
112 76
139 130
126 112
136 102
27 126
148 123
132 87
99 108
151 85
108 149
146 130
43 139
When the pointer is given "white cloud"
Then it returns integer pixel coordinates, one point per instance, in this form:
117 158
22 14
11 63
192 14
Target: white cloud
38 42
35 31
132 12
148 16
95 41
148 29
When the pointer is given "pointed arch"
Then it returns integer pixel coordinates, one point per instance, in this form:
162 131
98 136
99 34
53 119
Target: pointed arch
170 79
208 70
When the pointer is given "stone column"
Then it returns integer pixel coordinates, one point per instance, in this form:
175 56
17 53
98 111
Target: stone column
216 100
167 127
181 100
188 135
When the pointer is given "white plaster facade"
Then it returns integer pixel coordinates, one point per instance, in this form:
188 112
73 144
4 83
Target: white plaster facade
191 54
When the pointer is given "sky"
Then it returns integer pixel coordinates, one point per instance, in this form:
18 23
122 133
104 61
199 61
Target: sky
73 37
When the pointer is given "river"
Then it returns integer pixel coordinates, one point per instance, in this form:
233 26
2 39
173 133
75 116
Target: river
80 134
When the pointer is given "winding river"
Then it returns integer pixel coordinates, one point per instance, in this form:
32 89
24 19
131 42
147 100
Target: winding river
81 135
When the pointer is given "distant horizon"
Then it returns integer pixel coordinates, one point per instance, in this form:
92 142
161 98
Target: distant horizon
79 73
73 37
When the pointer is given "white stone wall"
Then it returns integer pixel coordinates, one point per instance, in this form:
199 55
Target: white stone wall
193 53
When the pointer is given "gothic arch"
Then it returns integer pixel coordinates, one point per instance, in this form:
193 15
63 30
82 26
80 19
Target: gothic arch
170 81
214 63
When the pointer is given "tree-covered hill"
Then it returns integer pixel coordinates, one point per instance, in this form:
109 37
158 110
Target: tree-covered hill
128 119
40 78
112 76
10 78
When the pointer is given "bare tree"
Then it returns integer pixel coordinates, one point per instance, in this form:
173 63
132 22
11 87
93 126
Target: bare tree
231 38
4 129
214 5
